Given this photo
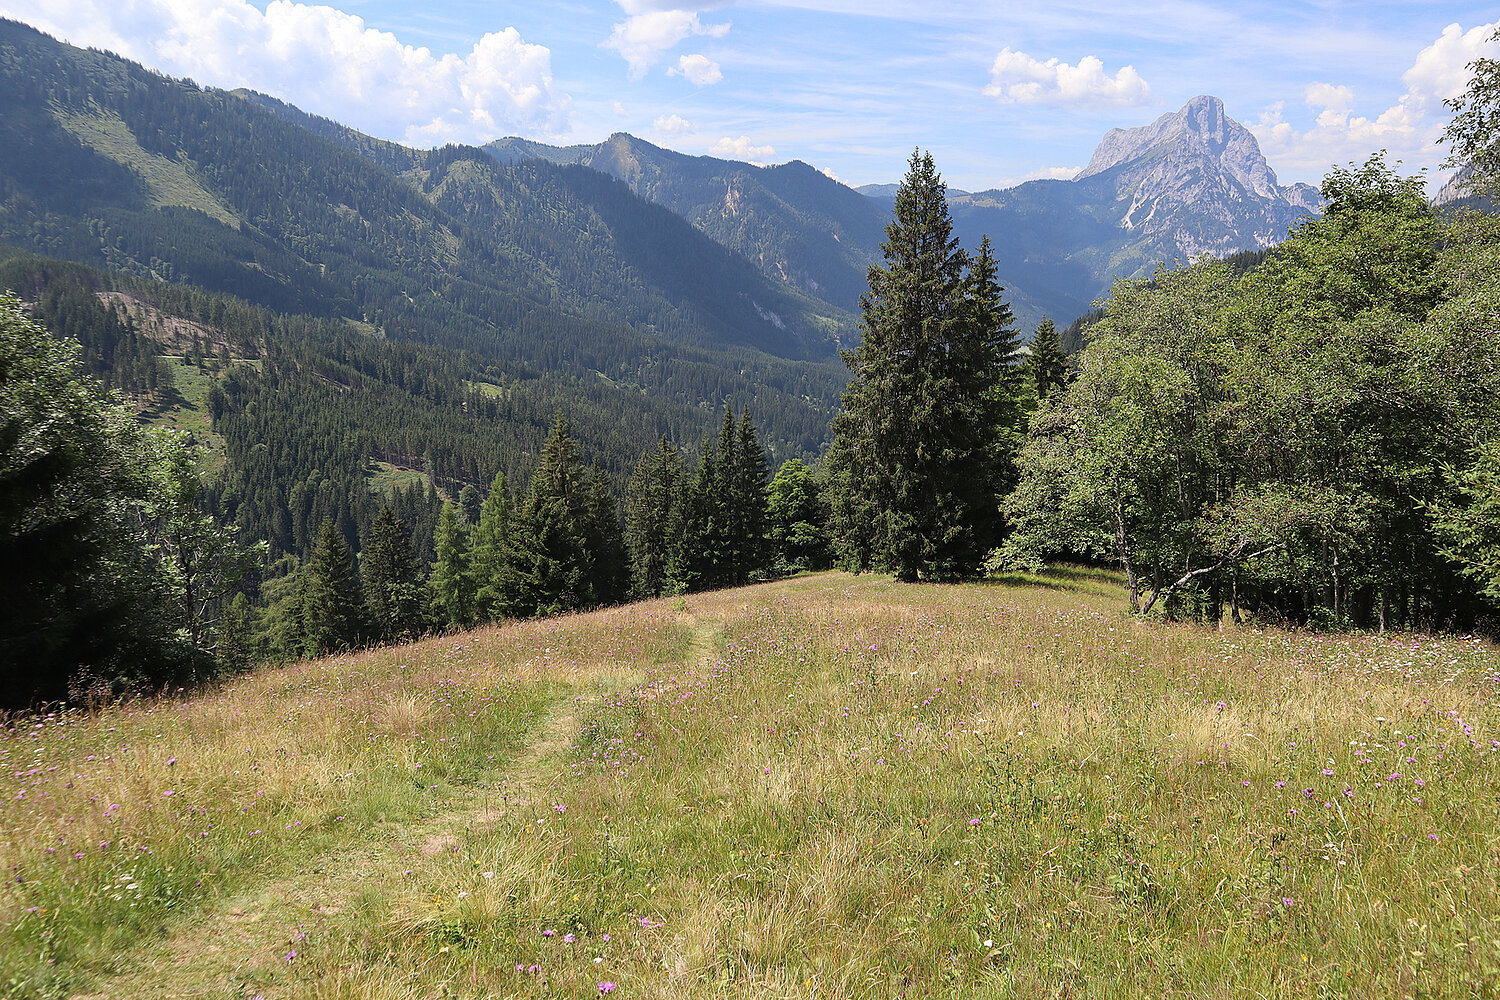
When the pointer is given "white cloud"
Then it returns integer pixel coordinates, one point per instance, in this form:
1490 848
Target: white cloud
1053 174
742 149
1016 78
1408 130
643 37
617 108
674 125
326 62
699 69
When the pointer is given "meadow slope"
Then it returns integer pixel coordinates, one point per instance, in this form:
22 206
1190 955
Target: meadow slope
832 786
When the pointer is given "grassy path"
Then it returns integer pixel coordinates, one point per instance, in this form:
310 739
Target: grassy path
247 943
834 787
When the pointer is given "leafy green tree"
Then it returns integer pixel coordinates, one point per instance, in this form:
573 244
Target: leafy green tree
1299 439
920 453
331 601
200 563
653 517
452 582
393 583
113 577
797 519
1473 135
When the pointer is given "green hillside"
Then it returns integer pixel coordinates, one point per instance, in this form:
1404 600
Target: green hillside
828 787
798 225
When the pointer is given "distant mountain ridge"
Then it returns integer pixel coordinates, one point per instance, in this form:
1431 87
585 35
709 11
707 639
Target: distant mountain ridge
1192 182
539 271
796 223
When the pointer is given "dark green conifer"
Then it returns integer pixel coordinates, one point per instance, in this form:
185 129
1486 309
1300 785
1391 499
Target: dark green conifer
330 600
394 588
604 541
1047 364
490 538
918 455
653 517
747 502
452 583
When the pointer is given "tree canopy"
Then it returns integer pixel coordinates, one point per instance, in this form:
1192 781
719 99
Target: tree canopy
922 449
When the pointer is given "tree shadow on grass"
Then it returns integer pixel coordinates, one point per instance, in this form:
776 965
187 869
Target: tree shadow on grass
1074 578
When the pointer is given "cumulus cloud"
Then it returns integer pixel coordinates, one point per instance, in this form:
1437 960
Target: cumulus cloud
1016 78
742 149
1408 130
326 62
644 36
699 69
674 125
1053 174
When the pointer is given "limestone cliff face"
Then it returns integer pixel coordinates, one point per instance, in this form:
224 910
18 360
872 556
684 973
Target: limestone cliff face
1196 179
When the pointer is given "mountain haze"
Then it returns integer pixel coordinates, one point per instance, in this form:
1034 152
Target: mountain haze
535 268
796 223
1193 182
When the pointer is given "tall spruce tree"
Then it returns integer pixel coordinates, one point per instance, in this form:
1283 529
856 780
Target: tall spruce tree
604 540
394 588
653 516
746 482
698 559
1047 364
918 455
331 602
560 534
488 547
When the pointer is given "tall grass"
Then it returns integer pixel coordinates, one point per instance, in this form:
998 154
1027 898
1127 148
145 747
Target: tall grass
833 787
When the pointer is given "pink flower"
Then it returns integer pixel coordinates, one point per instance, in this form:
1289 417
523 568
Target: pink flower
607 987
567 939
974 822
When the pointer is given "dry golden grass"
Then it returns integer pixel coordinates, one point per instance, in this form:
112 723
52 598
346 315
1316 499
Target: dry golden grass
831 787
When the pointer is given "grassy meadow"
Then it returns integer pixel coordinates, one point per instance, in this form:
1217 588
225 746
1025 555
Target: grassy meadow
832 787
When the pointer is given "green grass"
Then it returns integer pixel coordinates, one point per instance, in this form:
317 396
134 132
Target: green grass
184 407
487 389
385 478
170 182
826 787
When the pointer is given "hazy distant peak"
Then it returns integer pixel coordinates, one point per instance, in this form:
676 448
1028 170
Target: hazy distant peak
1200 130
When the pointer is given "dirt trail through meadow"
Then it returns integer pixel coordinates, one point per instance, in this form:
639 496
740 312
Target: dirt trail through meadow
236 941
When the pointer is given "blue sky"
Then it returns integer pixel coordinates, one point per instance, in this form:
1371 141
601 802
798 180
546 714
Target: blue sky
999 92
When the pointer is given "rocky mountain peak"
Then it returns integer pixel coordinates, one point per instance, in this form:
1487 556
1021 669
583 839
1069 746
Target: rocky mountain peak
1197 177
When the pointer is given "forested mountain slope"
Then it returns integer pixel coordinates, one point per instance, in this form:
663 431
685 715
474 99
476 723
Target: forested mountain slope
110 164
364 311
799 225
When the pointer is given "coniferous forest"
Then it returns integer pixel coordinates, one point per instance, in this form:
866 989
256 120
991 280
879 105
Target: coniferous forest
239 426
